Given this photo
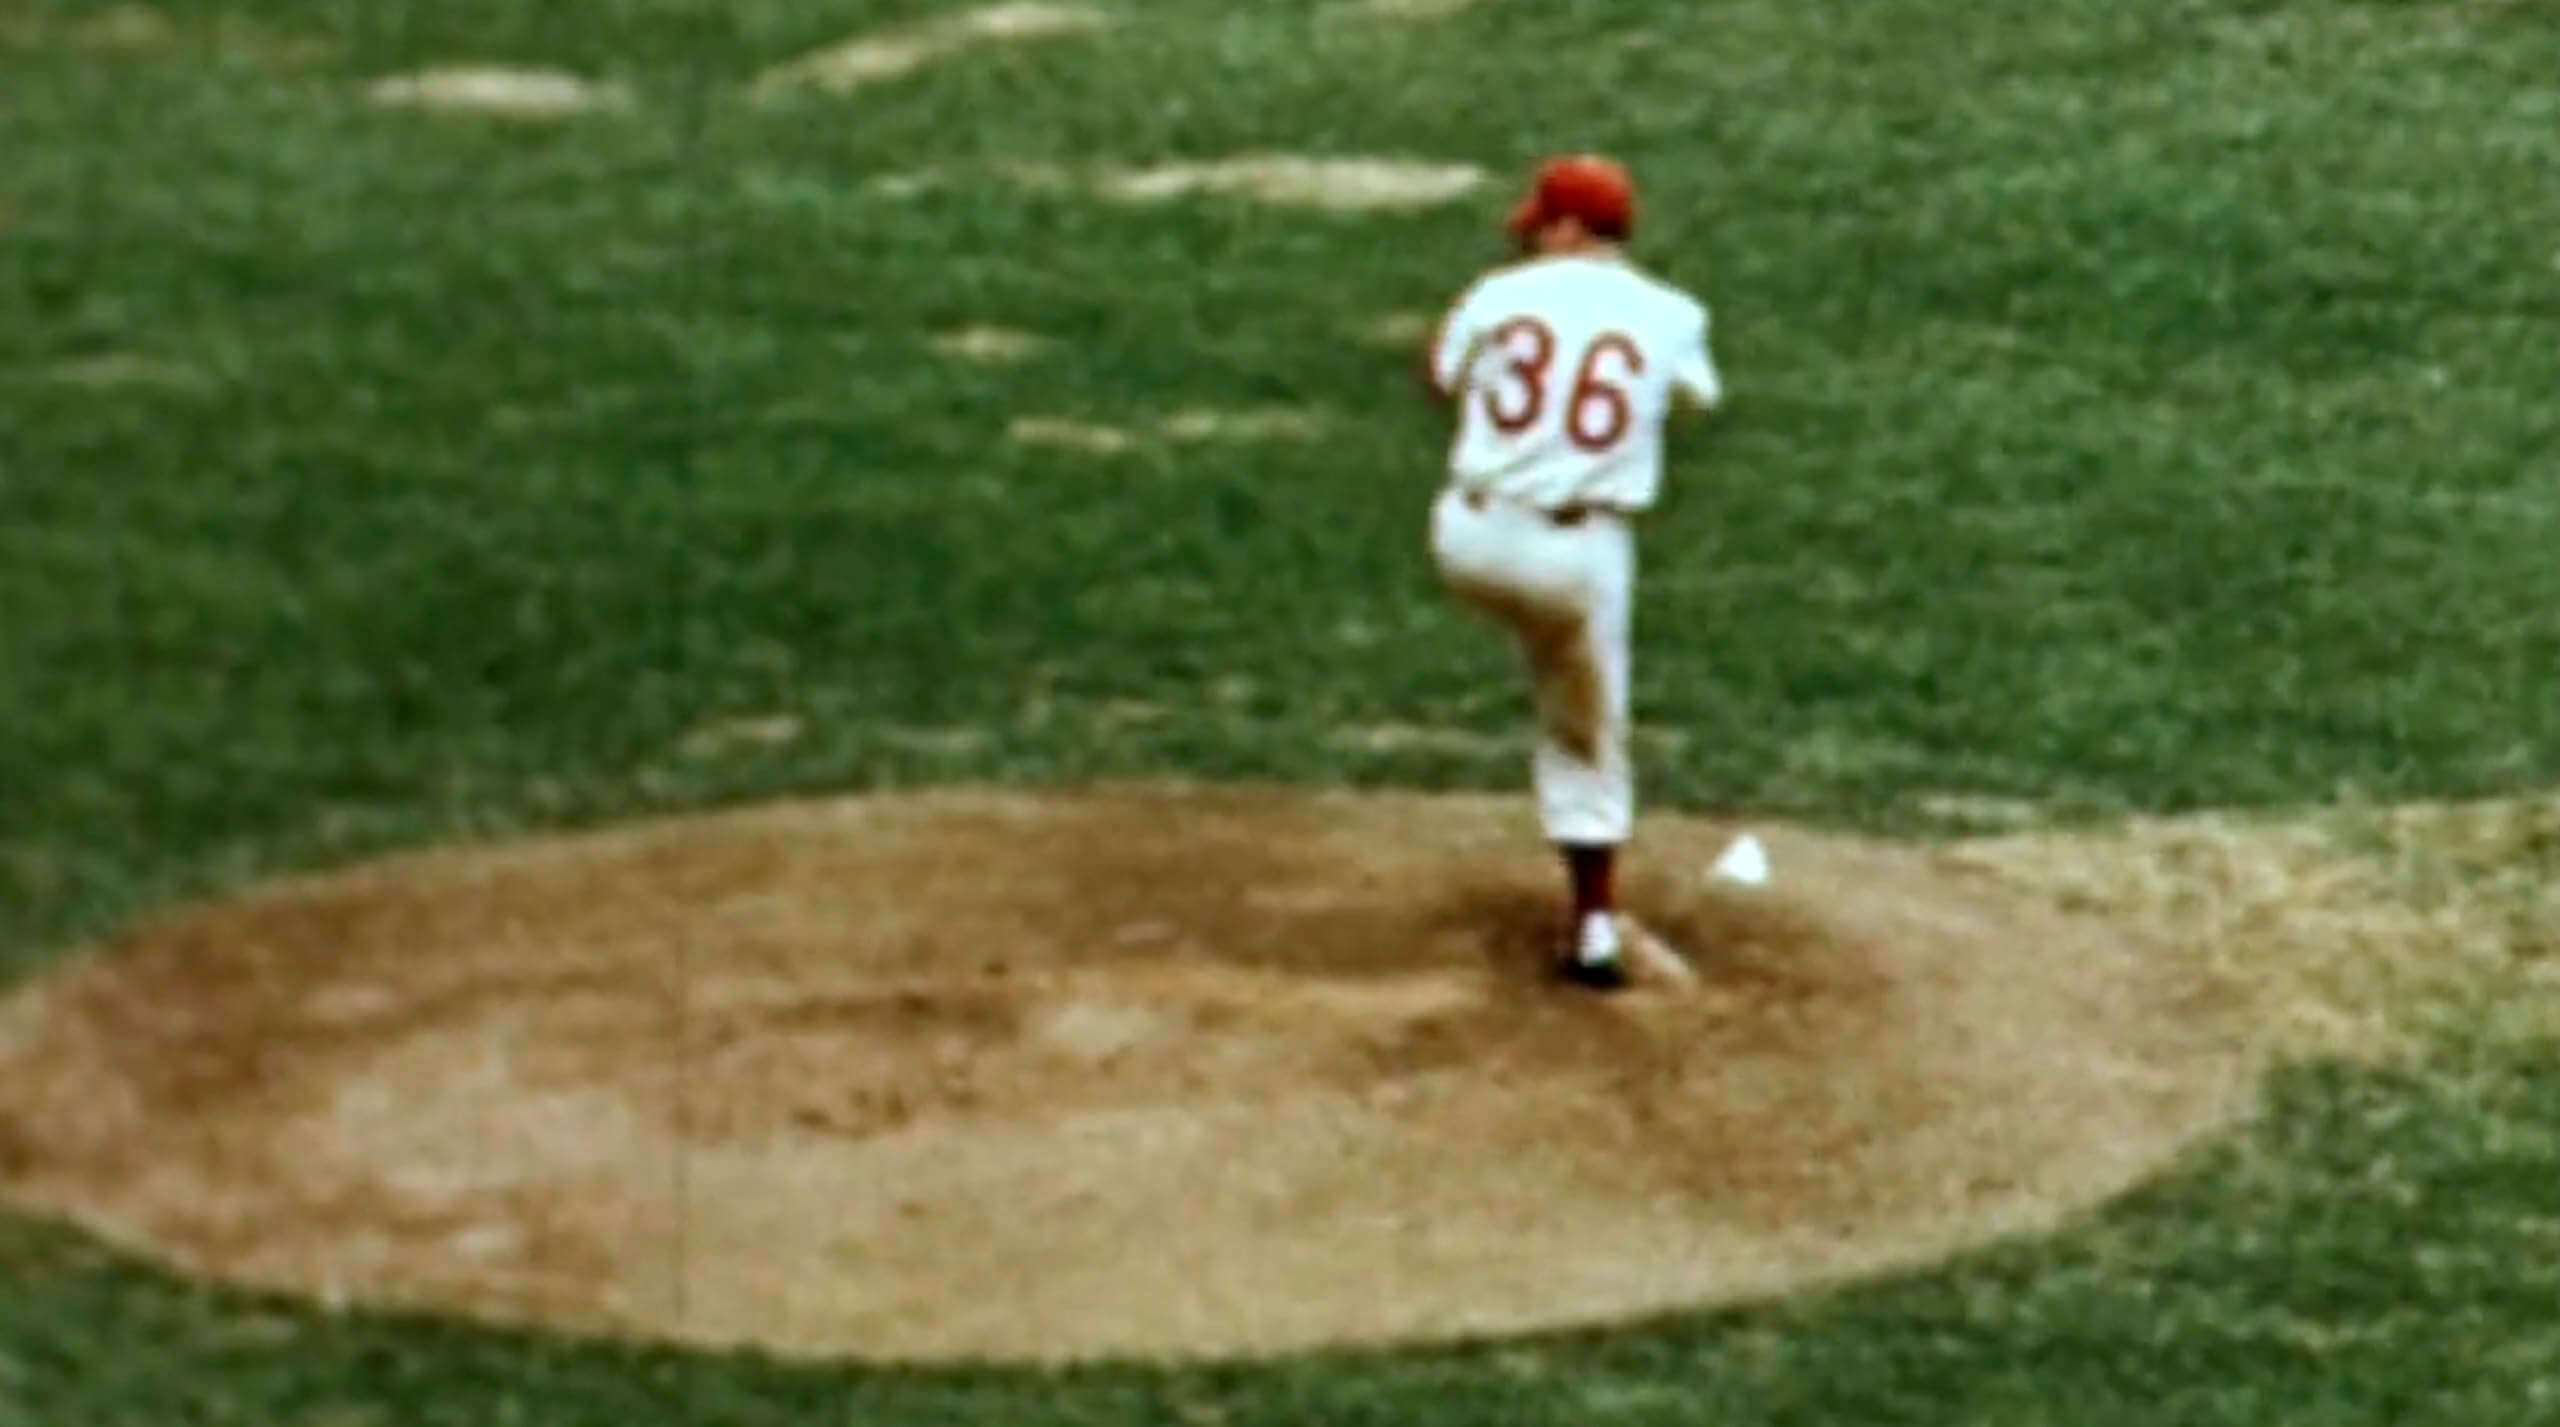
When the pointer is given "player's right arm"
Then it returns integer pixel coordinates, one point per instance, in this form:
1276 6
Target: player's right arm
1693 368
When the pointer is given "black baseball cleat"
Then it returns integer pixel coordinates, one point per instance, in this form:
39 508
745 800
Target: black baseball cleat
1606 974
1598 956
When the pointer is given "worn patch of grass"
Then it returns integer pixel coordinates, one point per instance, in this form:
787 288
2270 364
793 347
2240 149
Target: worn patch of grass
2369 933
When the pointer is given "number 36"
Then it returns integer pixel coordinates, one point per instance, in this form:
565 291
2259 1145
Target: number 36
1596 412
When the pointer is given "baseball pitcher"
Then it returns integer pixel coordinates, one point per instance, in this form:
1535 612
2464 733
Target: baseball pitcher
1563 368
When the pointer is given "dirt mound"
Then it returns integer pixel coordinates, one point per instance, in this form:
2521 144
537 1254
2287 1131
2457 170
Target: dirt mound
1147 1071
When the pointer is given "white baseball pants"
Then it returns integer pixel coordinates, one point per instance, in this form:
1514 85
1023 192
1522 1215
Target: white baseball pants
1565 591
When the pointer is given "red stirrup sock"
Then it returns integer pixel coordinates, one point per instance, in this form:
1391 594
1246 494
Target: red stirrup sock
1593 867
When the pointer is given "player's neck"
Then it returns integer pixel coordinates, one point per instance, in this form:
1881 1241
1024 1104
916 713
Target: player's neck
1599 250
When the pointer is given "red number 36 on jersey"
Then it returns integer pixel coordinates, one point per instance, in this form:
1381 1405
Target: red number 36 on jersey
1597 411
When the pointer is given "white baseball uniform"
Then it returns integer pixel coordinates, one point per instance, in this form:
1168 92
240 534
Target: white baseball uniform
1564 370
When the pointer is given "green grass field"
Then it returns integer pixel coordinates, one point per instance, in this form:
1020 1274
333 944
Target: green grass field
2137 407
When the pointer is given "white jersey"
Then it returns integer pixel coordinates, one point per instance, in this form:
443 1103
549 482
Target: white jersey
1564 369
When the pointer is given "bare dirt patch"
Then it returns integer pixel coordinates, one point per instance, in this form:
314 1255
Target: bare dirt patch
1298 180
1337 184
127 371
495 90
140 32
1090 437
1154 1071
868 59
991 346
728 737
1391 11
1267 423
1194 425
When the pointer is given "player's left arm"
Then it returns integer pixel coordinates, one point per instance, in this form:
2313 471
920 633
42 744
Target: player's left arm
1452 347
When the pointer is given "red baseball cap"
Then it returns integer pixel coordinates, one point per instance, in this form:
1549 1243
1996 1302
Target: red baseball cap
1587 187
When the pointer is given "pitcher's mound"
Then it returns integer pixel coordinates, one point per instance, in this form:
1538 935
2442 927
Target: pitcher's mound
1153 1071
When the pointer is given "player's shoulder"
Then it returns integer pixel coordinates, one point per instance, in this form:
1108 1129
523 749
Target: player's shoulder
1668 294
1469 303
1616 283
1509 276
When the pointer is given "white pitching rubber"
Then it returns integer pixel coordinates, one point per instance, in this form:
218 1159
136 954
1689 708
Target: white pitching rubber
1655 957
1745 862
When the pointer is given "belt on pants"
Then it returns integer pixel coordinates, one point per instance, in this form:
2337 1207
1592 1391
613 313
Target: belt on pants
1571 513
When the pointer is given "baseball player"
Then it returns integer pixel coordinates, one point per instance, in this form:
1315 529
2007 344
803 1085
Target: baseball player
1563 368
